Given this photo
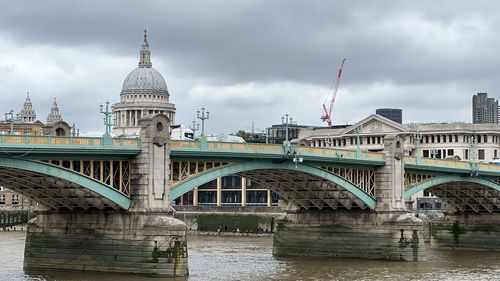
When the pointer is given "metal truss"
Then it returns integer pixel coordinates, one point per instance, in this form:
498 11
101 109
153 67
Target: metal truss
182 170
467 196
412 179
114 173
304 190
52 192
362 178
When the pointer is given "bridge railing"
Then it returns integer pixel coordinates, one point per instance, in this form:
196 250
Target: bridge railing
88 142
445 163
437 162
276 149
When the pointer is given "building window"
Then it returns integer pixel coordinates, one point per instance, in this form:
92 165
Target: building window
450 138
450 152
479 139
2 199
15 199
456 138
425 153
466 154
495 153
438 139
480 153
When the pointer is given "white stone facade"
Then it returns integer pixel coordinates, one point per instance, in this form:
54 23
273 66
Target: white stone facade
438 140
144 92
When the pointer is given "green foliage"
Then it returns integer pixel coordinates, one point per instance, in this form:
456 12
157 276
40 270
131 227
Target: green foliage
243 134
227 222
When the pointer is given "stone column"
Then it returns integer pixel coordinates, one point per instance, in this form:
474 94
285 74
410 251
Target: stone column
269 198
195 196
390 177
387 232
219 191
243 191
144 239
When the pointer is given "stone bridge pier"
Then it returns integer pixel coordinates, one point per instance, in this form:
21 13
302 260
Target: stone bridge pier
145 239
388 231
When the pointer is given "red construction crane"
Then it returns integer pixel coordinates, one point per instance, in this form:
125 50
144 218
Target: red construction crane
327 112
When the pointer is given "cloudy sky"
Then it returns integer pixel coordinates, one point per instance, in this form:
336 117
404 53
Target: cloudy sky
254 60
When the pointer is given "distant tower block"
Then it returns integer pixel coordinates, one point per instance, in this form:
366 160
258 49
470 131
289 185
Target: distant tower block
484 109
394 114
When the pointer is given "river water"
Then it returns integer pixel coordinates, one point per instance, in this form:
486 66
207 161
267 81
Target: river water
250 258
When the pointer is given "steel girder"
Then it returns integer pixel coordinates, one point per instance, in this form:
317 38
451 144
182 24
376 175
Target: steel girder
56 187
464 193
303 185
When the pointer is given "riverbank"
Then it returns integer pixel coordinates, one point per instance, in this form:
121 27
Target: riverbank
228 234
18 228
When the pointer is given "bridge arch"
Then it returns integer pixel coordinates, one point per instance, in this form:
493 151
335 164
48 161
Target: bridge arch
465 193
56 187
304 185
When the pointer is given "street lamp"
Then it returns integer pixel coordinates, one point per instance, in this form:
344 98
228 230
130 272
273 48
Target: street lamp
418 138
107 117
357 130
473 155
9 117
202 117
285 120
196 127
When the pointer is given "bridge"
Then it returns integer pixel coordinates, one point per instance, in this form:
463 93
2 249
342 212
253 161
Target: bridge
107 201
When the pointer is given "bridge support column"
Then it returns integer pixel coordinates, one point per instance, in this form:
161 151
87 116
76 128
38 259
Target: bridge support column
139 243
387 232
473 231
349 234
145 239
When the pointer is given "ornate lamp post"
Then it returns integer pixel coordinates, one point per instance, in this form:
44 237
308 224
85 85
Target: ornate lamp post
285 120
357 130
196 127
473 155
202 117
107 117
418 138
9 117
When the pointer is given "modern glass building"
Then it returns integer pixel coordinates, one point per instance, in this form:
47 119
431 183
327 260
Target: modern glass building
394 114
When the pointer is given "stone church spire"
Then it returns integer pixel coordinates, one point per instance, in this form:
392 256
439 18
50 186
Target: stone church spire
54 114
28 114
145 59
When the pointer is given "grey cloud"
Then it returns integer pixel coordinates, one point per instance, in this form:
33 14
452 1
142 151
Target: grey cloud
234 42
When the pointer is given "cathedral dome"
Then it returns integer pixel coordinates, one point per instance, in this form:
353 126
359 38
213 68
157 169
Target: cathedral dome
144 78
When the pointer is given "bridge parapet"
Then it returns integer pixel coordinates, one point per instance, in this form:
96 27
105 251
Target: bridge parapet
60 144
186 148
84 142
444 165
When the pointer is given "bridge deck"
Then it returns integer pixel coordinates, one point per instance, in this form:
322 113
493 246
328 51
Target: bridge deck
443 165
41 147
224 150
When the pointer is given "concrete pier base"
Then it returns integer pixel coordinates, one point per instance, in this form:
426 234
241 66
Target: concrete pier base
467 231
390 236
138 243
